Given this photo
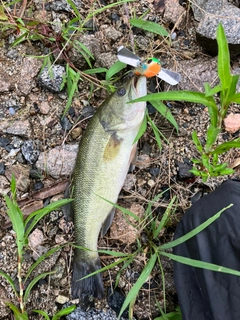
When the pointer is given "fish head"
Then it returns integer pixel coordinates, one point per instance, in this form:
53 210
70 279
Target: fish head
122 115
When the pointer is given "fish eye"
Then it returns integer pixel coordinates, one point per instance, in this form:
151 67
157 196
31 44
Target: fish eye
121 92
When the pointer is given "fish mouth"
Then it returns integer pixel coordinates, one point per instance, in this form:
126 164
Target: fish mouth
139 86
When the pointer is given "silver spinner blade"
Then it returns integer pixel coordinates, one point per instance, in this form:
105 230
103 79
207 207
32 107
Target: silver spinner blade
126 56
168 76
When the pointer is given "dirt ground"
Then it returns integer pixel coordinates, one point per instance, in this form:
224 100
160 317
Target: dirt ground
35 114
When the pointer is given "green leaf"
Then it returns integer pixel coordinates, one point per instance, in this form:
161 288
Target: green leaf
197 142
17 313
235 98
142 129
149 26
232 87
195 172
224 147
10 281
210 92
200 264
226 171
96 70
195 231
156 132
33 282
114 69
190 96
16 217
34 217
74 8
165 112
137 286
223 58
64 312
212 134
42 313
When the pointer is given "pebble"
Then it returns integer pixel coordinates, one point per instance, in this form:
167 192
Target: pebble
65 123
2 168
115 301
18 128
35 174
21 174
38 185
87 111
76 132
151 183
53 78
183 172
154 172
59 161
4 142
30 150
12 111
174 36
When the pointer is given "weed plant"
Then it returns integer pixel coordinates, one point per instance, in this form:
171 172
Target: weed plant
22 229
217 100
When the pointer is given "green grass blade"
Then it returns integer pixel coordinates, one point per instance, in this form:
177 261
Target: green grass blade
189 96
224 147
137 286
39 214
165 112
17 313
197 142
142 129
10 281
156 132
74 8
223 58
114 69
165 218
212 134
42 313
16 217
195 231
33 282
235 98
89 16
149 26
96 70
200 264
64 312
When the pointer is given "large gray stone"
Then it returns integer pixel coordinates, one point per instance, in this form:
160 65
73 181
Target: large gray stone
210 13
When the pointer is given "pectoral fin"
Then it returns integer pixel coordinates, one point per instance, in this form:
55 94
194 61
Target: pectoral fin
112 148
108 221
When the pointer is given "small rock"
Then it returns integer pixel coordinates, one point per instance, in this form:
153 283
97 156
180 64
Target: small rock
87 112
59 6
2 168
232 122
30 150
151 183
35 238
154 172
17 142
115 301
12 54
111 33
62 299
35 174
44 107
129 182
76 132
12 111
21 174
53 78
4 142
18 127
29 70
59 161
38 185
143 161
91 42
9 147
183 172
106 60
174 13
65 123
59 269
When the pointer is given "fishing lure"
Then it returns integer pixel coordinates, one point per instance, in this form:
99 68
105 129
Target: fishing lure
147 69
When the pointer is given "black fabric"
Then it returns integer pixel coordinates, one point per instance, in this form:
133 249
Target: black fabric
203 294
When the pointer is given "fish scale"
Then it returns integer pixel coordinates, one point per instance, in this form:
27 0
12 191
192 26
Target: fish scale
104 155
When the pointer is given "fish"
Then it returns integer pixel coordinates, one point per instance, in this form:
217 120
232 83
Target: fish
147 69
105 153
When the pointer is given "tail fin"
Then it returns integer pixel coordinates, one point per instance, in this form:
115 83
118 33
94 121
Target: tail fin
88 288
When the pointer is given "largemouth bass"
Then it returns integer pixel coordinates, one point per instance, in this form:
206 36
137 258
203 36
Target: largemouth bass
104 156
